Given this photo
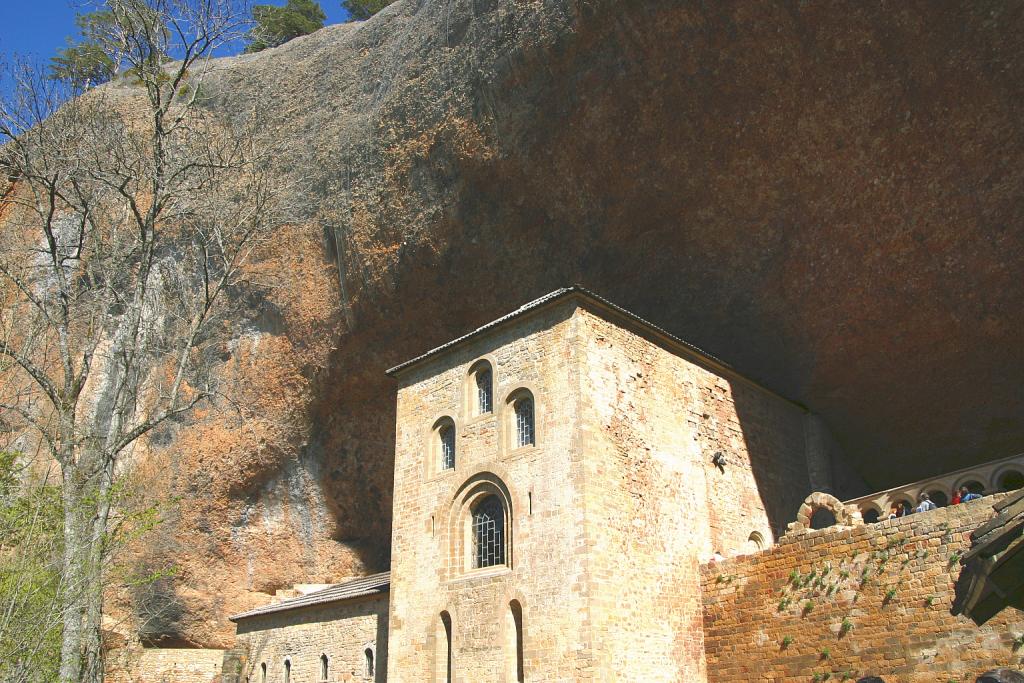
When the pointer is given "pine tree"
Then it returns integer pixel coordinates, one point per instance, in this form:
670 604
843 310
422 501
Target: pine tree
277 25
364 9
86 63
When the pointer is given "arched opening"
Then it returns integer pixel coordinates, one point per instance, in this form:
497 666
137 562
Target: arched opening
324 667
975 486
755 542
368 656
524 433
514 635
488 529
870 515
822 518
287 671
263 672
1011 480
482 388
939 497
444 444
902 508
443 655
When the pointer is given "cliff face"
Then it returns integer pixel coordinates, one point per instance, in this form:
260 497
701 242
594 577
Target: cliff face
828 197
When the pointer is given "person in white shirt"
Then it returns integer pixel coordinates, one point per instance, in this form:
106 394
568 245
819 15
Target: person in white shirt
926 503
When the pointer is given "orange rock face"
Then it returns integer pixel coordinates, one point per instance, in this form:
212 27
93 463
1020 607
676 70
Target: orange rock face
828 197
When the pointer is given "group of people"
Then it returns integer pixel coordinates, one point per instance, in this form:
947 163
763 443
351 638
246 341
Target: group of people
925 502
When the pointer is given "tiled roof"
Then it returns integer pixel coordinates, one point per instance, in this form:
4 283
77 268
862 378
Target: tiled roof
576 290
356 588
993 574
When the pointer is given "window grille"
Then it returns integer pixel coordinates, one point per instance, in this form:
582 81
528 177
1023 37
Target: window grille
484 393
489 532
447 435
524 422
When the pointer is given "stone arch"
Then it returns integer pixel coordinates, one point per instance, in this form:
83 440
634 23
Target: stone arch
844 516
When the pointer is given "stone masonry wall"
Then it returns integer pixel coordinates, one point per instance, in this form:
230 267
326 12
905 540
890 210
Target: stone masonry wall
546 573
837 604
651 419
341 630
164 665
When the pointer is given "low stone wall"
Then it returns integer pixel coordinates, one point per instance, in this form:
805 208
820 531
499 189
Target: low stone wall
164 665
837 604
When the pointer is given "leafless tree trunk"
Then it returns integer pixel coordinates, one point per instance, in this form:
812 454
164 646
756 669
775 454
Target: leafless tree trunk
131 218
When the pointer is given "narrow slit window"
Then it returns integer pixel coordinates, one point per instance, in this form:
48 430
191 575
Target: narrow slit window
489 533
287 671
263 672
324 667
484 391
524 422
368 653
447 437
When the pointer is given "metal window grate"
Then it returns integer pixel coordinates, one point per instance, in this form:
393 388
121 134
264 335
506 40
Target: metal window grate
524 422
489 532
447 435
484 394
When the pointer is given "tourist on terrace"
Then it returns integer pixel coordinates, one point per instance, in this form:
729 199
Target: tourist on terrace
955 500
926 503
966 495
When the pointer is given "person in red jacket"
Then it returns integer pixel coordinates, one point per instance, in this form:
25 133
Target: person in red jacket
955 500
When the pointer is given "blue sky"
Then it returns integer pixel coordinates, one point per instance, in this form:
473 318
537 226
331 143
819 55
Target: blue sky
37 28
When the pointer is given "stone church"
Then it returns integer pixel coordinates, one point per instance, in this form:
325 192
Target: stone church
559 474
568 478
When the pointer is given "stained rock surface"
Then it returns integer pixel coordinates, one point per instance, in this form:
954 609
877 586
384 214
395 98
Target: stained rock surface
827 196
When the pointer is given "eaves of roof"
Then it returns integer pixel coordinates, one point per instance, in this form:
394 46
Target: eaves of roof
349 590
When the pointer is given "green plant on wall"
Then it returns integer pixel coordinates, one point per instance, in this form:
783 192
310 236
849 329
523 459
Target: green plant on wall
845 627
786 641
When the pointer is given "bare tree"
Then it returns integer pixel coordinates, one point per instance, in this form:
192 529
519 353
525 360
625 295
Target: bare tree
128 225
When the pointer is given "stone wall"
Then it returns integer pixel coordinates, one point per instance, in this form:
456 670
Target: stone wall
546 573
608 513
651 421
164 665
341 630
843 603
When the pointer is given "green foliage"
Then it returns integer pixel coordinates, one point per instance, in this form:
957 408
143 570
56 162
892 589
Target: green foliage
86 63
845 627
277 25
31 533
889 595
787 641
783 604
364 9
808 607
826 653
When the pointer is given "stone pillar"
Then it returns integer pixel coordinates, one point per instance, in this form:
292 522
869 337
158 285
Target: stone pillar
818 452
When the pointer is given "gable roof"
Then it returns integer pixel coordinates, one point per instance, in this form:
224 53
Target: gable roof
609 310
356 588
576 291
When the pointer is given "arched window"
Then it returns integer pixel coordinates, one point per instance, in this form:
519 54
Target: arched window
524 421
488 532
287 671
755 542
483 386
443 661
444 438
975 487
263 672
870 515
325 667
939 497
514 634
368 655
